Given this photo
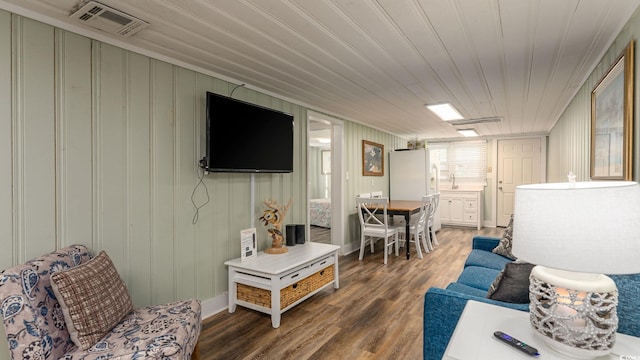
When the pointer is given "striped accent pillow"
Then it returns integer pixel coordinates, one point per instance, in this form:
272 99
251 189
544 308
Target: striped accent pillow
93 298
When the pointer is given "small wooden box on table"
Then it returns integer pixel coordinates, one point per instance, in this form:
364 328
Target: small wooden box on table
274 283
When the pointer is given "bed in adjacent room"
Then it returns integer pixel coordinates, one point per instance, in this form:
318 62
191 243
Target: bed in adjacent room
320 212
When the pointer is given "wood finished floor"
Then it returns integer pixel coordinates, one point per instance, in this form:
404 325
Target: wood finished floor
375 314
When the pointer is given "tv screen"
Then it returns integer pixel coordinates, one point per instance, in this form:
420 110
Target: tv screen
243 137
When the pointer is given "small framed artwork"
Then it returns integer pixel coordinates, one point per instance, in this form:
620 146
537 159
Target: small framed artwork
612 121
248 244
325 162
372 159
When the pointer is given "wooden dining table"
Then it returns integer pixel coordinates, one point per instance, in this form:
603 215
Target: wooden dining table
405 208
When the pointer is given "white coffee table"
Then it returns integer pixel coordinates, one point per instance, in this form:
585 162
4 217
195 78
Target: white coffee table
473 337
299 273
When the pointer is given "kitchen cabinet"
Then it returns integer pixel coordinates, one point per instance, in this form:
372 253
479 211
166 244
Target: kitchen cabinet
461 208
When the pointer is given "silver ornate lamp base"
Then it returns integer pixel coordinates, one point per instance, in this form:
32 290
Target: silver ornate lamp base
574 312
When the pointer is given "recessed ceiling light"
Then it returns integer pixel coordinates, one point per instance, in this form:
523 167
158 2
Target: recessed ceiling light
445 111
467 132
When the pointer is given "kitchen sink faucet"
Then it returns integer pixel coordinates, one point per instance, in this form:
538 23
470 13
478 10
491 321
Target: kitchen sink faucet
452 177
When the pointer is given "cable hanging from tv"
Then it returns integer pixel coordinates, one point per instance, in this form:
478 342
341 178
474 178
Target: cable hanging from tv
197 207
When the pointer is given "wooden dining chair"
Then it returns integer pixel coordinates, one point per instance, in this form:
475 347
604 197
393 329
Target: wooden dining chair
418 230
374 224
430 240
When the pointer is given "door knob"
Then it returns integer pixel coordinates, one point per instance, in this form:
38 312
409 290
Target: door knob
499 187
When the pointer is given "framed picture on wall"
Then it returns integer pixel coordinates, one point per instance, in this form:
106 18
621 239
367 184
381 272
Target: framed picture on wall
372 159
325 162
612 120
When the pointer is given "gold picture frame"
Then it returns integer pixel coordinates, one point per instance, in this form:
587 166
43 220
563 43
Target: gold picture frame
612 121
372 159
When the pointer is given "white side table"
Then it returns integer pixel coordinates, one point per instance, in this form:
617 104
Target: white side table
473 337
274 283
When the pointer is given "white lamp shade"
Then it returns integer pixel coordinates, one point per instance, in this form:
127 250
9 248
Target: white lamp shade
591 227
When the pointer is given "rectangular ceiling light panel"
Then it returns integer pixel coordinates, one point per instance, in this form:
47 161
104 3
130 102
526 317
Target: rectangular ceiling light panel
445 111
467 132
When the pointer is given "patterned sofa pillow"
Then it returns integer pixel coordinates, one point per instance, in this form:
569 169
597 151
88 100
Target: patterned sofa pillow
93 299
504 247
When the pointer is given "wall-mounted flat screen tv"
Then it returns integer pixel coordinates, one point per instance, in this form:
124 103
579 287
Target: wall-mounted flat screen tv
243 137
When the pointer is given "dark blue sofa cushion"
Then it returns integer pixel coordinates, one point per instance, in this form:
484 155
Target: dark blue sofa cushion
486 243
478 277
486 259
466 289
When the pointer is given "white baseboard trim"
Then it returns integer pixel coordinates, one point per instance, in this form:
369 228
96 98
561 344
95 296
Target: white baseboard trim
349 248
215 305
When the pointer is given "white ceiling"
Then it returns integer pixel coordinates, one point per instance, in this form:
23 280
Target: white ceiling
378 62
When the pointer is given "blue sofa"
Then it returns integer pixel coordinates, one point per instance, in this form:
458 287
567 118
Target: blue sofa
443 307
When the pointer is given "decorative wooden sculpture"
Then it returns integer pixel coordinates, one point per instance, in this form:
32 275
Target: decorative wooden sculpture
274 215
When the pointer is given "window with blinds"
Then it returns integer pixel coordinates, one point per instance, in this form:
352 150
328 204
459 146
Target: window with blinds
466 159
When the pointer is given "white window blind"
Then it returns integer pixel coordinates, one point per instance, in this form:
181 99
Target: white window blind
466 159
438 156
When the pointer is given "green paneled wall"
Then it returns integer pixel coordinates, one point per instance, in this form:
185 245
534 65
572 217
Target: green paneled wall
570 138
33 141
99 146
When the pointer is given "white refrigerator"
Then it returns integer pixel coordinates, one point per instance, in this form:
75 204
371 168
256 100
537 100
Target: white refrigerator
411 176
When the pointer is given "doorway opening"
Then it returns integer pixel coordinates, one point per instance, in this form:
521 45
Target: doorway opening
324 180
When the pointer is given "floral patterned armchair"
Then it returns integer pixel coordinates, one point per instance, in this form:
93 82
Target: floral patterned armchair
35 326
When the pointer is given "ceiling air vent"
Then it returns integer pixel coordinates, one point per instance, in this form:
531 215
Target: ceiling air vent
475 121
108 19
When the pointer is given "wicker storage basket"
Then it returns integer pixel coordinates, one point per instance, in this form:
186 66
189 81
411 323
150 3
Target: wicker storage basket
254 295
291 293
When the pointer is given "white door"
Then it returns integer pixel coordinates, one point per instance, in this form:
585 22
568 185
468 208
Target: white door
518 164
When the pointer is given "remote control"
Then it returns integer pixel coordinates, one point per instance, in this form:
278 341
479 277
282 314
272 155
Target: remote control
530 350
